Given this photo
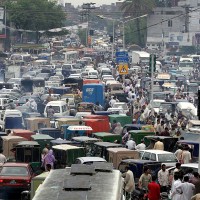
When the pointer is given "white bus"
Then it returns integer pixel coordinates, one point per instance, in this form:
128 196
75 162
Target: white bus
64 57
186 64
19 58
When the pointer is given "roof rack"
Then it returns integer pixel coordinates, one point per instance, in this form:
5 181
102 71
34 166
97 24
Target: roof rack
77 183
103 166
79 169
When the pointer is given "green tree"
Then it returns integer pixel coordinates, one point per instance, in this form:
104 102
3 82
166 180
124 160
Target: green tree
82 35
136 8
35 15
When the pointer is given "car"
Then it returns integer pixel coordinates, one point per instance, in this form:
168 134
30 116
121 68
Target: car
119 106
155 105
165 157
89 160
185 168
15 177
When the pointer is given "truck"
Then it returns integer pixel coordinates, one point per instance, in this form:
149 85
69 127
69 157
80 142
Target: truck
140 57
93 93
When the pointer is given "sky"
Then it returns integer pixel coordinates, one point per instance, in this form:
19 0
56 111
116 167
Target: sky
80 2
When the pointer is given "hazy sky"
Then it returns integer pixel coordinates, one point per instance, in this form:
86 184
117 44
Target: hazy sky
80 2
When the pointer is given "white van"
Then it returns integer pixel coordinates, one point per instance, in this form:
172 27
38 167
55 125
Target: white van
60 108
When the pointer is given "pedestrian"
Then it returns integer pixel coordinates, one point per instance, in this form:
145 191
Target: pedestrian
118 129
130 144
145 178
163 178
186 155
49 159
186 189
2 158
112 101
33 105
129 180
159 145
175 194
141 146
46 149
114 124
178 153
50 112
153 190
196 197
160 127
196 182
48 167
165 132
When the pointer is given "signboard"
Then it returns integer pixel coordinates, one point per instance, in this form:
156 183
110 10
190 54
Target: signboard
122 59
121 54
123 68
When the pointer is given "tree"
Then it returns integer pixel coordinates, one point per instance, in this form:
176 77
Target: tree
136 8
35 15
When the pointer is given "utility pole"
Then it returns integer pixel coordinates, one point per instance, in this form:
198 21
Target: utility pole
187 18
88 7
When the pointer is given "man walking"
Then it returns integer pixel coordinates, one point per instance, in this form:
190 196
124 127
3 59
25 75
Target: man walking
154 190
186 189
163 178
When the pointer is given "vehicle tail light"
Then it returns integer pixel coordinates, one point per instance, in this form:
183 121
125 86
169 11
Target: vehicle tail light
1 181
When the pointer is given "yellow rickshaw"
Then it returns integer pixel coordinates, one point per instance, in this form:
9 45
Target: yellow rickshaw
69 121
116 155
34 124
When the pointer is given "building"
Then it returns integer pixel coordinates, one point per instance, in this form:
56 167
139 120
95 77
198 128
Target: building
174 27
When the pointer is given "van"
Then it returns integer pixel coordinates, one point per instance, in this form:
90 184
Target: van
60 108
11 119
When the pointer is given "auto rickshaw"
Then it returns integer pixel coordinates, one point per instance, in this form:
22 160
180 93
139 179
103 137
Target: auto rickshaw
98 124
42 139
66 154
130 127
29 152
23 133
116 155
34 124
52 132
68 121
87 142
169 142
107 137
8 143
37 181
73 131
137 166
138 135
61 141
101 149
123 119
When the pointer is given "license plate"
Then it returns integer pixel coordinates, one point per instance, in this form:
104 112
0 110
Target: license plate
12 182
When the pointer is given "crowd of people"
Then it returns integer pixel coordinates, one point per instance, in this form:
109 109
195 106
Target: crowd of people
172 184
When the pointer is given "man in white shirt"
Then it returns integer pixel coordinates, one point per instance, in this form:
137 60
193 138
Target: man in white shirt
186 189
130 144
141 146
112 101
163 178
186 156
2 158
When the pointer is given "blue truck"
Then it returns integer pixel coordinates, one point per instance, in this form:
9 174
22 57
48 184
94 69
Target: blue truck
93 93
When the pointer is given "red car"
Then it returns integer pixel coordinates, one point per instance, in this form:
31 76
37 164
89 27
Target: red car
15 177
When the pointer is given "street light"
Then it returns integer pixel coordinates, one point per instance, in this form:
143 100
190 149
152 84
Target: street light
123 22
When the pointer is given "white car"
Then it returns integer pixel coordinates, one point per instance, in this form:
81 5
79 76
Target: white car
78 76
120 106
155 105
185 167
165 157
89 160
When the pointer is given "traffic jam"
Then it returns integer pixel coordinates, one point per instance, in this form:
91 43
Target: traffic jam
76 124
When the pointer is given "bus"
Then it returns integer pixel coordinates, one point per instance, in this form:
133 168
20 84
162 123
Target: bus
186 64
20 58
64 57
